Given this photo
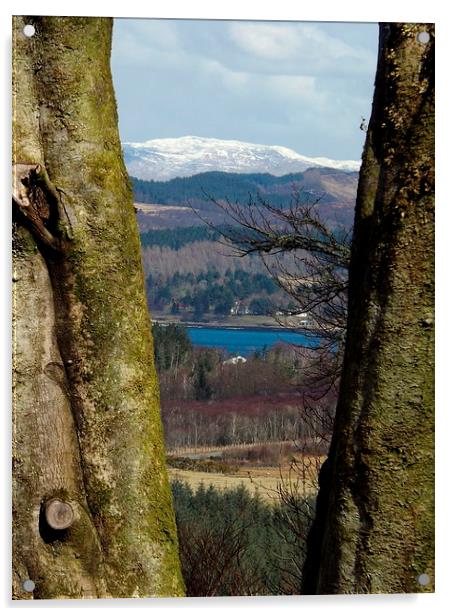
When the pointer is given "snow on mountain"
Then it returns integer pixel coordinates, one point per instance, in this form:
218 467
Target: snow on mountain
164 159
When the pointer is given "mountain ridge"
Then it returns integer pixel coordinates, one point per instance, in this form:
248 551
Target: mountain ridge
166 159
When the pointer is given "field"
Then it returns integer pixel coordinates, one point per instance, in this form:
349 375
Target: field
246 320
265 480
158 216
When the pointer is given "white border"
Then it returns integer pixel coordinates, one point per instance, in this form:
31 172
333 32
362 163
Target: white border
324 10
343 10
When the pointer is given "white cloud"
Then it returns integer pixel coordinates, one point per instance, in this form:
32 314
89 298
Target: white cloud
150 33
276 42
293 86
288 89
287 47
142 41
213 69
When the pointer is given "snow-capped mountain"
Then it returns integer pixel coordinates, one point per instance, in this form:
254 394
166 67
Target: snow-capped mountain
164 159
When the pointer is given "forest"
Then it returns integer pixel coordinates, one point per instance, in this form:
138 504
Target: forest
210 292
200 188
178 237
193 200
234 543
190 275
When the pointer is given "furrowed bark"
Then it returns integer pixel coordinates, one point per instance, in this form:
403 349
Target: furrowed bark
374 526
87 428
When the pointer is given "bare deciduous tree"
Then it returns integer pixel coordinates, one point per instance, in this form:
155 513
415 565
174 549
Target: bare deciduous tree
308 259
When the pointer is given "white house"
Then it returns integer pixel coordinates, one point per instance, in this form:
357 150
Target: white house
235 360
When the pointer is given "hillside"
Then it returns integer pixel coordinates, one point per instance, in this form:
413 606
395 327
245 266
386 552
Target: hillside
156 200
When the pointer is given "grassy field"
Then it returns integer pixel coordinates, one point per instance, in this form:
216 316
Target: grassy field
264 480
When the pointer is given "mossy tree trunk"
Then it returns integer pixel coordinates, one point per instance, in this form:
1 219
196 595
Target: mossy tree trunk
374 526
87 428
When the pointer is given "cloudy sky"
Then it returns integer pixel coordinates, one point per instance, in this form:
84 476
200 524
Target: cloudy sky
302 85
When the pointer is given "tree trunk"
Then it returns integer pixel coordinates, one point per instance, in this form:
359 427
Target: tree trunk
374 526
92 511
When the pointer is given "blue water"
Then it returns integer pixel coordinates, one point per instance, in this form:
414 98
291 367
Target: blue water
244 341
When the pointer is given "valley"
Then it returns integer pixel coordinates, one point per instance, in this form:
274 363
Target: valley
233 352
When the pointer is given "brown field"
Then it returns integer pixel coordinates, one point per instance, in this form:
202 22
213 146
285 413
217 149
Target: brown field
159 216
157 208
246 405
264 480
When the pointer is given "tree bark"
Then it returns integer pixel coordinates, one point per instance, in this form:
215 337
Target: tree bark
374 526
92 510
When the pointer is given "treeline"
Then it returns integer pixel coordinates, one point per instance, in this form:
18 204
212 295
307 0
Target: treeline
195 257
186 272
200 188
210 292
172 347
207 402
179 236
193 426
232 543
195 373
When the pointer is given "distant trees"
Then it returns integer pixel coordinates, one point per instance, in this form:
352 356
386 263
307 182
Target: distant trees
276 369
197 189
178 237
193 425
207 402
172 346
338 189
261 305
210 291
203 366
194 258
225 302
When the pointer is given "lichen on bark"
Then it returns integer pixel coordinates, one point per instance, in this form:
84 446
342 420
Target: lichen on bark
83 310
374 526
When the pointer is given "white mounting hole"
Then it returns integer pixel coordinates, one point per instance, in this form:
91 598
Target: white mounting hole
29 30
28 585
423 579
423 37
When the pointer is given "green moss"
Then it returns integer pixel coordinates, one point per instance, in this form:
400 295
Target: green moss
104 328
23 244
378 531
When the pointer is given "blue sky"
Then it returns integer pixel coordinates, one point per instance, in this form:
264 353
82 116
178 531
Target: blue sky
298 84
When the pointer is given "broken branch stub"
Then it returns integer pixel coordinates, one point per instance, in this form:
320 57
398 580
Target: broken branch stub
36 202
59 515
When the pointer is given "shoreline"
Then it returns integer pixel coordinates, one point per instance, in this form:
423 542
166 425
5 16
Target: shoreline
241 322
197 325
243 326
